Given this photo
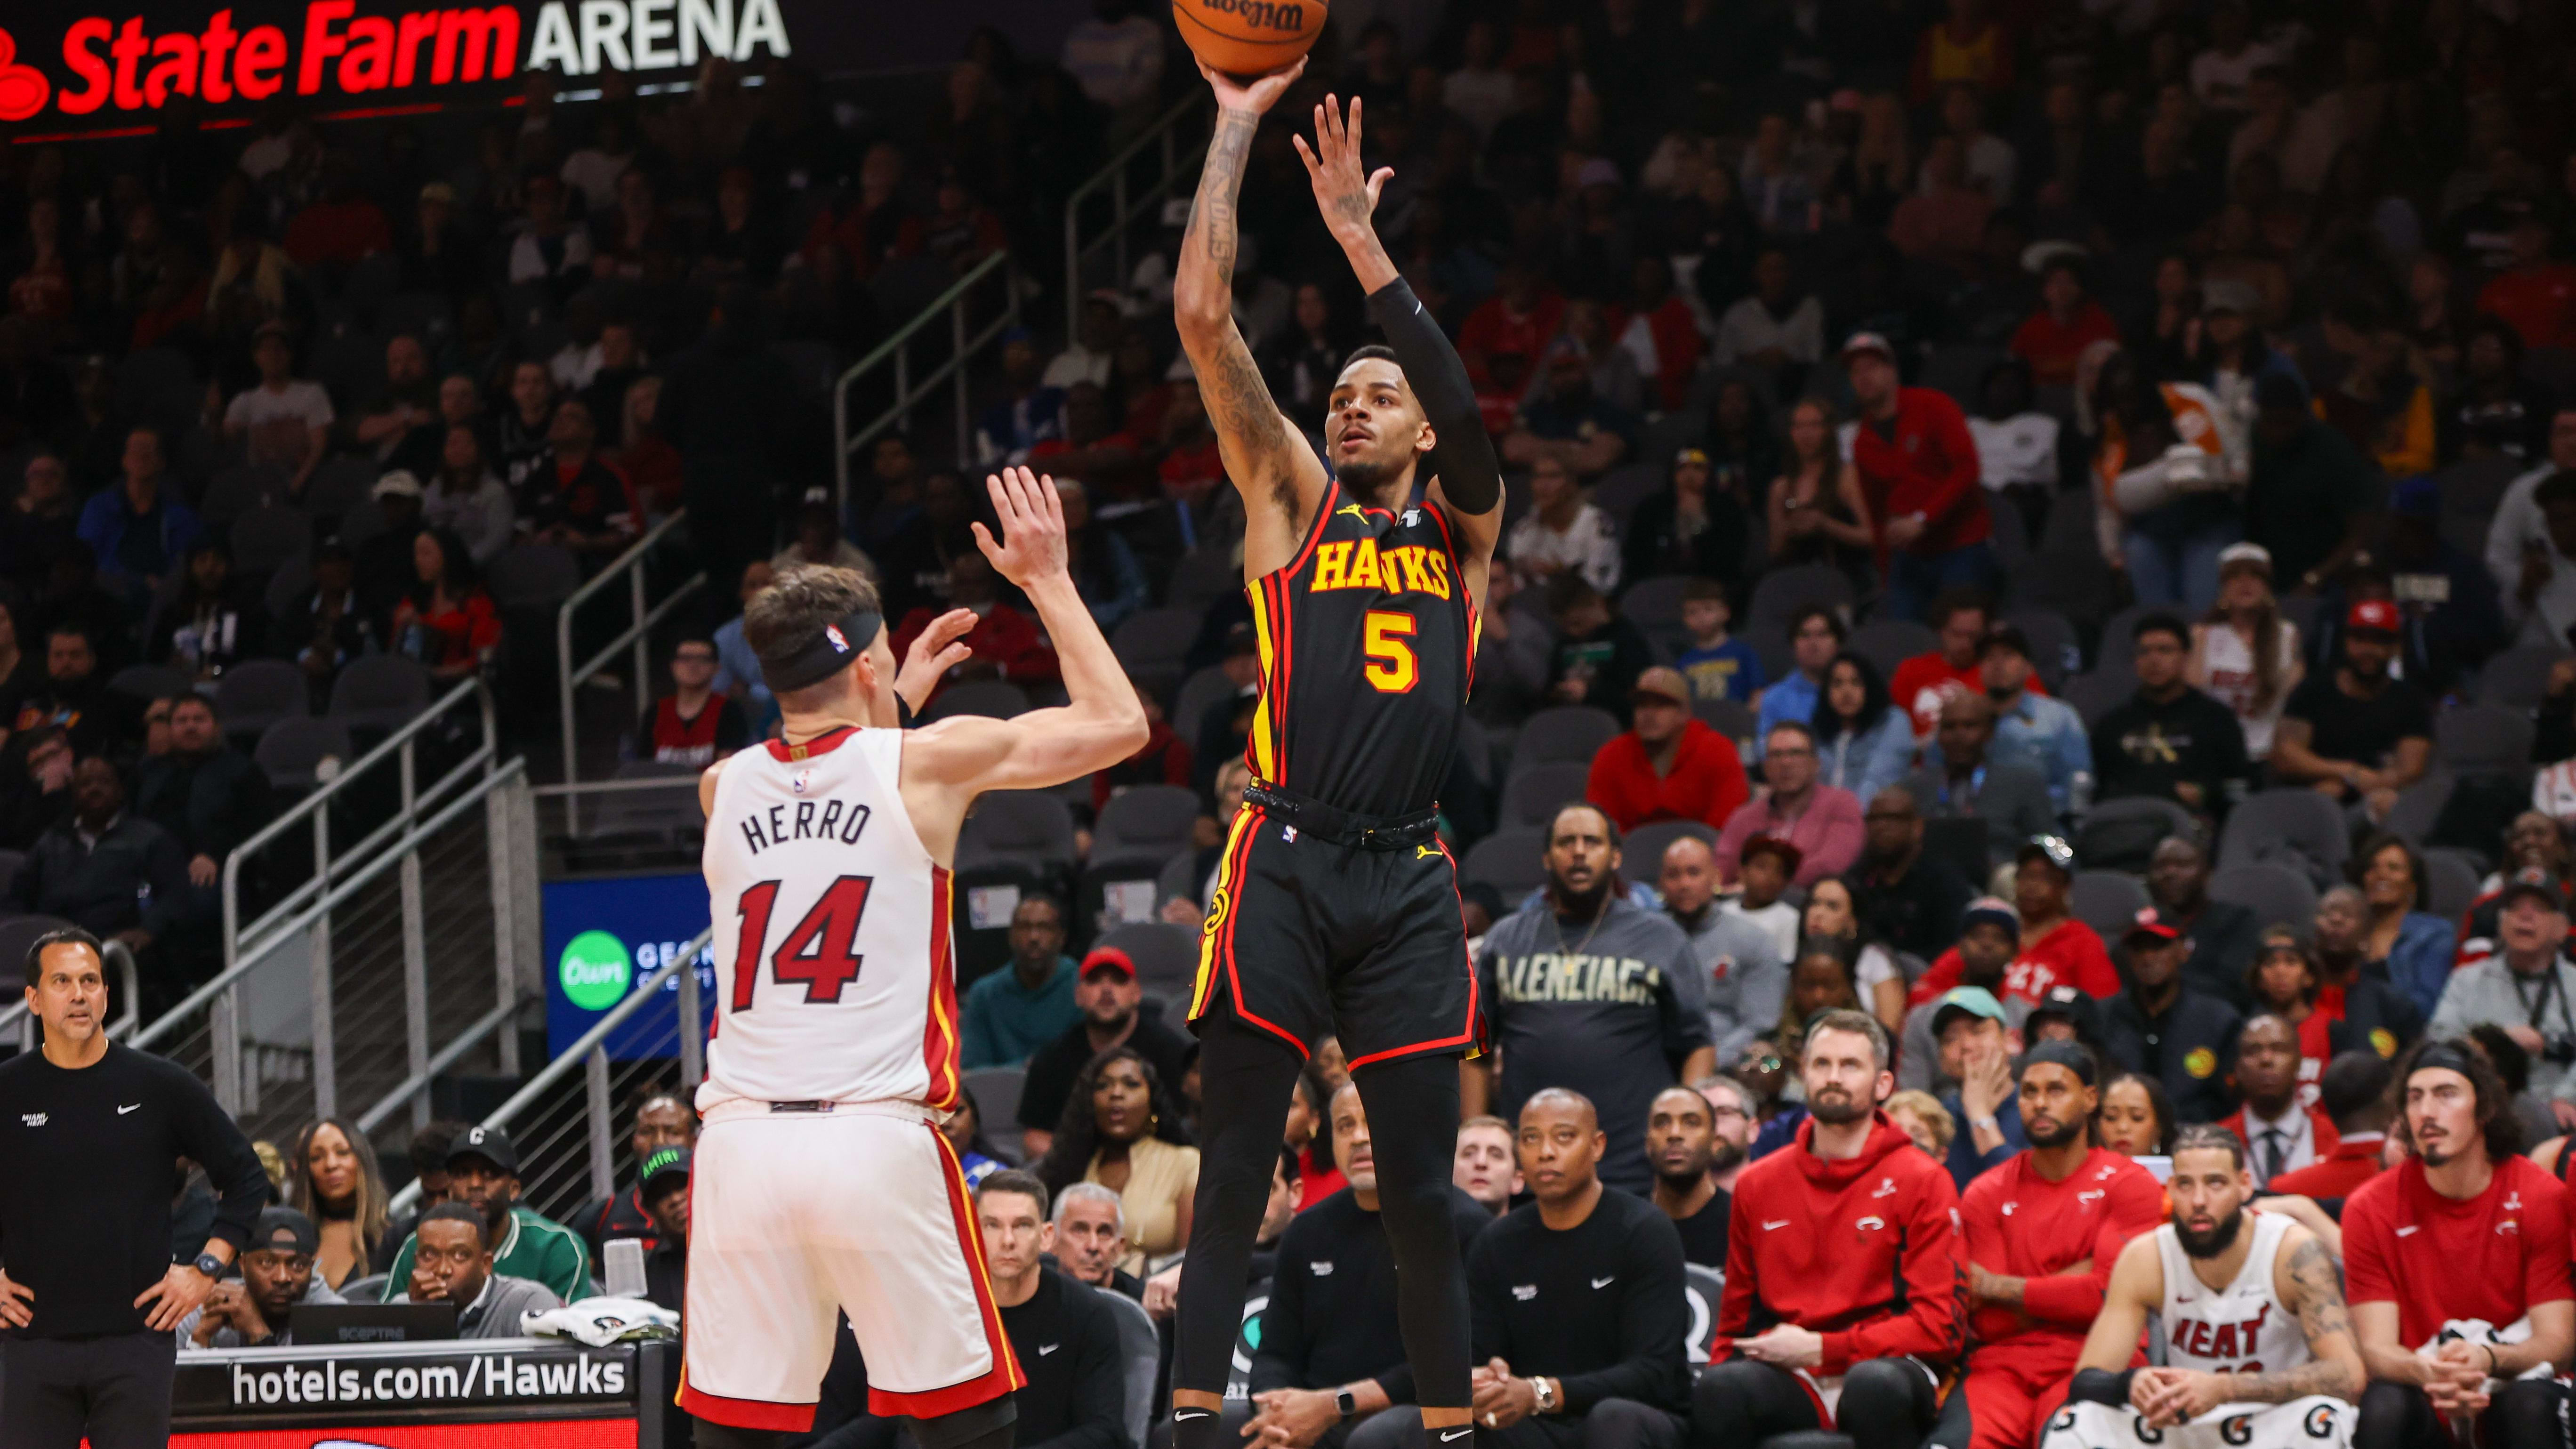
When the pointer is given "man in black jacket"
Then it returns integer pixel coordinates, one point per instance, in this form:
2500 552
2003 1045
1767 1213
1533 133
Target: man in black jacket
1061 1331
1911 903
2169 740
2168 1029
1577 1301
210 798
2219 935
106 869
88 1131
1330 1360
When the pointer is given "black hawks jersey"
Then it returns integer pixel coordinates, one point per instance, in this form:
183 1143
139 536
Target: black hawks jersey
1368 646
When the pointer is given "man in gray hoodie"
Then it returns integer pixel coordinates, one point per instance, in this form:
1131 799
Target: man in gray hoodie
1742 977
1587 991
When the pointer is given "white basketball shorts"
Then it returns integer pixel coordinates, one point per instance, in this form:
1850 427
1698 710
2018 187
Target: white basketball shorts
2317 1422
862 1209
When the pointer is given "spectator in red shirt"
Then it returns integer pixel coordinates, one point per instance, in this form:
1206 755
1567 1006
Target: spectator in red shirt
1006 642
1163 760
2056 948
2067 322
1669 765
876 226
2535 296
1820 821
2463 1231
1516 321
343 225
1918 470
446 621
1926 682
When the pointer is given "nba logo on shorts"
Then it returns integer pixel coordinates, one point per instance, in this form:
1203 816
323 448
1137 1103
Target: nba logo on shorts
833 633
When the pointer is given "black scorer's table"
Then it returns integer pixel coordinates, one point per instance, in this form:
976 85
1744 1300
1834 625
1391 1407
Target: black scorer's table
503 1393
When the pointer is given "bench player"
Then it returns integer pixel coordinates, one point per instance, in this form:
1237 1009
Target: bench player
1336 911
822 1180
2259 1348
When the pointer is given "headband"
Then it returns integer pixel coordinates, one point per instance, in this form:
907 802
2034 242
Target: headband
2443 1056
826 653
2065 1054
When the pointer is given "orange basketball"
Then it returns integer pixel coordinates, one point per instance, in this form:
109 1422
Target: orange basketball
1249 37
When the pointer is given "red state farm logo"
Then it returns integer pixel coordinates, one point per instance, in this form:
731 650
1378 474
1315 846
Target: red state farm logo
23 88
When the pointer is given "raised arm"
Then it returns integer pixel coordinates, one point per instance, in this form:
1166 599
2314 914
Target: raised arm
947 764
1273 467
1470 488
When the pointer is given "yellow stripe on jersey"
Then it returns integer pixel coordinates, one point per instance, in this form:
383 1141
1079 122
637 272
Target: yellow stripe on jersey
1264 748
1220 914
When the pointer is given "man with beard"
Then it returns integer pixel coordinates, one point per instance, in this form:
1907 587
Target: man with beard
1743 980
2051 1221
75 699
2532 842
1583 989
1844 1268
2355 734
1683 1148
2457 1263
254 1310
1731 1107
1329 1358
1958 780
2259 1348
108 871
1110 1001
2168 741
209 797
2165 1026
483 1174
2030 728
1911 903
2218 936
2280 1134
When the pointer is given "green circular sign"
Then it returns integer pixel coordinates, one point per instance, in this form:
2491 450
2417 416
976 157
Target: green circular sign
594 970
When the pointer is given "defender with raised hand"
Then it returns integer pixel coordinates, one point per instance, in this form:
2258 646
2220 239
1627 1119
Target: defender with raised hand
1335 911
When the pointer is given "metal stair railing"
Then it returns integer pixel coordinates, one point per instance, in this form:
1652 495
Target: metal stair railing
568 1161
118 958
637 636
1124 209
896 353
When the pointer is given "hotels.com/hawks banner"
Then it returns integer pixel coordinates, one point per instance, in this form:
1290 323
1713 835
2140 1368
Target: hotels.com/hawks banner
91 70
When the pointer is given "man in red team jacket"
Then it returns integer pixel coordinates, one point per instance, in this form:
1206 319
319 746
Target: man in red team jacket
2043 1231
1918 470
1844 1274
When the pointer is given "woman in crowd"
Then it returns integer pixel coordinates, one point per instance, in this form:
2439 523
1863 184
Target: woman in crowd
2166 465
467 496
1817 513
2244 654
2136 1117
650 463
1831 924
2415 945
1687 527
1121 1129
2285 980
1101 562
1819 981
1864 743
209 625
335 1182
964 1130
446 621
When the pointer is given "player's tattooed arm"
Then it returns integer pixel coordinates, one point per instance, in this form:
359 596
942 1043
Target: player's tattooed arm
1997 1289
2316 1293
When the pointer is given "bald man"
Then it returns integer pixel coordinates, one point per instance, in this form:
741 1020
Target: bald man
1745 982
1959 780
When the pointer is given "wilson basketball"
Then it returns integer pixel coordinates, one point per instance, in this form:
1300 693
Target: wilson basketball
1249 37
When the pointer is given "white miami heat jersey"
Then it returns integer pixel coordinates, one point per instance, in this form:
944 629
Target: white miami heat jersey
2243 1329
834 981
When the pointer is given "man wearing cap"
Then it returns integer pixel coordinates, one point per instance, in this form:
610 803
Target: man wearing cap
283 421
254 1310
2357 734
2030 728
1669 765
1977 1051
1010 1014
1918 469
2528 987
2165 1027
2168 741
2055 947
2043 1230
451 1259
1989 937
1743 975
1822 822
1110 1000
2310 494
2064 1014
385 570
483 1175
664 1186
1960 780
2533 842
1583 989
2280 1133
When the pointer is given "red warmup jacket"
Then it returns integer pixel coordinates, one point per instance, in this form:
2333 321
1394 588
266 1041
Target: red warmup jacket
2024 1226
1927 465
1004 637
1707 782
1864 1251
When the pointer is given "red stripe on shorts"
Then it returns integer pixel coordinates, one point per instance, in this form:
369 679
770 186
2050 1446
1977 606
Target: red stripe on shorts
1004 1376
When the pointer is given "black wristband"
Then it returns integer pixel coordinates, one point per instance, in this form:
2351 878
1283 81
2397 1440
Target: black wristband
2101 1386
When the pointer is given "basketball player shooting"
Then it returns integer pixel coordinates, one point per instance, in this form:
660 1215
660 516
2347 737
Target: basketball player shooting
1335 910
823 1182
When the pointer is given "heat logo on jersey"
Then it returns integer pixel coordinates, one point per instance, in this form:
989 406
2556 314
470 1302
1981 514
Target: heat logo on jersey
2203 1339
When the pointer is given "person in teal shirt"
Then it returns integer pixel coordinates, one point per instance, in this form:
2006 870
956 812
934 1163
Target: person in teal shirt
1011 1013
483 1173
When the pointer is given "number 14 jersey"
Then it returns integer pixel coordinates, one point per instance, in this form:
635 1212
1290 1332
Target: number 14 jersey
834 978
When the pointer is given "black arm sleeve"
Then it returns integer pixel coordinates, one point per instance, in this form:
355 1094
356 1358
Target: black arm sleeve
2101 1386
1096 1409
1470 476
213 1142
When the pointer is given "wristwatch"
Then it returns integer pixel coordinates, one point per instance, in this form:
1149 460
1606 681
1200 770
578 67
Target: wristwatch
210 1265
1546 1394
1987 1124
1344 1403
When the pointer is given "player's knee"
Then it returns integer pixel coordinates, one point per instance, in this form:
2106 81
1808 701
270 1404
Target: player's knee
2528 1415
979 1426
2391 1415
1722 1402
1878 1387
1628 1424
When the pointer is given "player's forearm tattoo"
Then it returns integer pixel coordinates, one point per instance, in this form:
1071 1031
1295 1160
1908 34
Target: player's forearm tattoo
2322 1314
1238 401
1219 181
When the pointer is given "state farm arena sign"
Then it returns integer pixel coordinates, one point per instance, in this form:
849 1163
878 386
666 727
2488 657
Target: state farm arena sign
86 71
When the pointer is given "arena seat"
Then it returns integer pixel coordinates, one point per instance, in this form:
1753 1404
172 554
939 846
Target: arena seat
2451 882
385 691
1784 591
2518 678
2276 894
149 681
1890 642
1507 860
1166 956
2300 828
1140 1347
2098 693
290 750
1644 848
2483 739
1535 795
2108 901
996 1091
2054 650
257 693
1571 732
